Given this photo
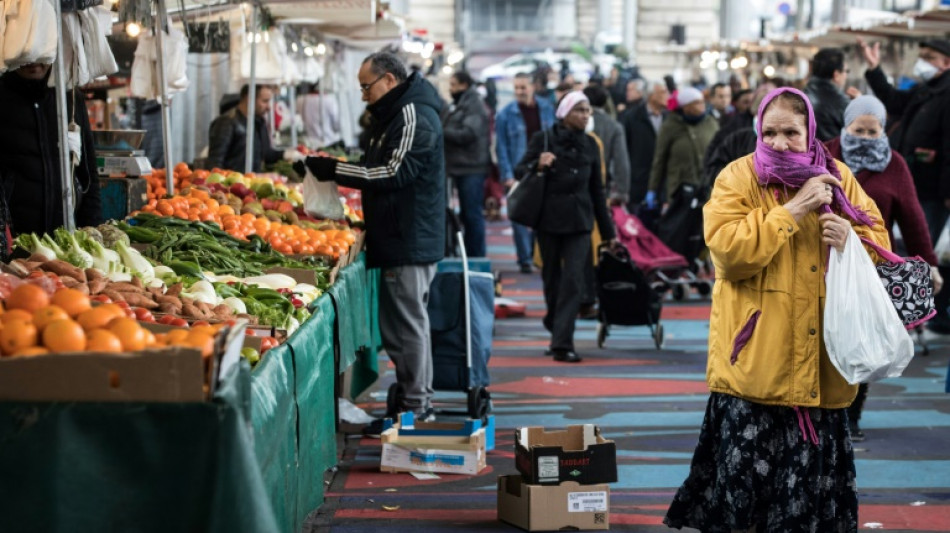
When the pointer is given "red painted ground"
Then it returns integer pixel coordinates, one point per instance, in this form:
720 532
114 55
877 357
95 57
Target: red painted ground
541 360
591 387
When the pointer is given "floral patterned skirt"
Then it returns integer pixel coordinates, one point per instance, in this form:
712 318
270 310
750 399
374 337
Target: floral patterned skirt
774 468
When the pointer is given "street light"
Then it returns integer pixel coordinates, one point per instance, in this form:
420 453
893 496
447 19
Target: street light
769 71
133 29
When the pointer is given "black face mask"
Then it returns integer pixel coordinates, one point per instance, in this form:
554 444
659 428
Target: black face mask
692 120
457 96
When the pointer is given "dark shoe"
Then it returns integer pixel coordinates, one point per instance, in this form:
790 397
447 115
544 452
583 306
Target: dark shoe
526 269
856 434
940 325
424 415
587 312
375 428
566 356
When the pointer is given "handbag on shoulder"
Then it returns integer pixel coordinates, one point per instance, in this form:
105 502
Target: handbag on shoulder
526 196
908 284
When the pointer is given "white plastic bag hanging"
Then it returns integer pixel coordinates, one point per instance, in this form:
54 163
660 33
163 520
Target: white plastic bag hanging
863 333
30 33
321 198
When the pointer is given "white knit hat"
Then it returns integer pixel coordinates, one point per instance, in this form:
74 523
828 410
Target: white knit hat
865 105
688 95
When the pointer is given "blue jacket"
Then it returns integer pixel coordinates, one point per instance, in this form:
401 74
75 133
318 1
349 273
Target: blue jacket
402 177
511 135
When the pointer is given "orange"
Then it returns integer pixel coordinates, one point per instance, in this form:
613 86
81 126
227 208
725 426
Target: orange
16 314
48 314
201 341
71 301
95 318
114 309
130 334
31 351
28 297
176 337
17 335
64 336
150 339
102 340
206 329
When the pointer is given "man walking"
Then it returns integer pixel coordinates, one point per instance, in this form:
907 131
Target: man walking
923 138
515 125
467 157
402 177
720 98
641 125
825 89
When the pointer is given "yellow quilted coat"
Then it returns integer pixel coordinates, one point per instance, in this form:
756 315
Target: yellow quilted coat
770 273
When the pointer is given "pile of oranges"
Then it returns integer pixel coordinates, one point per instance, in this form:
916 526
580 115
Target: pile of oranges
198 205
33 323
181 176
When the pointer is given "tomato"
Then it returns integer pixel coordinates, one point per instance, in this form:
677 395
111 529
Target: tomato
143 314
179 323
267 343
101 298
166 319
200 323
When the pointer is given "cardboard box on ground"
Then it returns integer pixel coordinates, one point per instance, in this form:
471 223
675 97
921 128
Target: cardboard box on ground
437 447
568 506
578 453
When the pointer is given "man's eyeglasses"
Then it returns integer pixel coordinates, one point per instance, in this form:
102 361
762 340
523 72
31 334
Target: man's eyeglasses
366 86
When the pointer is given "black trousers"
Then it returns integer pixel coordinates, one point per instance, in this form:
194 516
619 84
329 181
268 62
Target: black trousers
564 257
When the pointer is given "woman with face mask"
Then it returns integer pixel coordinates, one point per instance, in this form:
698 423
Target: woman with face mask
883 174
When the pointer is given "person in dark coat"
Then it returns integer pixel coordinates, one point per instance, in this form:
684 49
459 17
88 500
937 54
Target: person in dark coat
402 177
467 158
29 154
922 137
227 136
825 90
641 124
569 161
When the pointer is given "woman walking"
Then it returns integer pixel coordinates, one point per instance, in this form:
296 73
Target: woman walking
569 161
884 176
774 452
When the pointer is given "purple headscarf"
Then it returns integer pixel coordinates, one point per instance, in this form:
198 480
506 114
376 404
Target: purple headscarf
793 169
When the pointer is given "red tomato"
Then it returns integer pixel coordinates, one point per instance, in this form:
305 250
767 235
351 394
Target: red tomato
179 323
200 323
143 314
101 298
166 319
267 343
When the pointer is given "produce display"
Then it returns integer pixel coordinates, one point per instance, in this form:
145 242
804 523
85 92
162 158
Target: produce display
226 249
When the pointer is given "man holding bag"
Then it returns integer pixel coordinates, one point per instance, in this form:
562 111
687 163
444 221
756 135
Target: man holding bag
402 177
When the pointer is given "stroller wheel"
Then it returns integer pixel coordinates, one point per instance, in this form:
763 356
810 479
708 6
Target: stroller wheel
679 292
601 334
658 337
394 399
704 288
479 402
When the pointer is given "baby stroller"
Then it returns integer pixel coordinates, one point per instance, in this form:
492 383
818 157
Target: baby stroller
625 295
664 268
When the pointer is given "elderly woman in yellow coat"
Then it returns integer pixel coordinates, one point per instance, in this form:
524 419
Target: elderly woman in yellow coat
774 451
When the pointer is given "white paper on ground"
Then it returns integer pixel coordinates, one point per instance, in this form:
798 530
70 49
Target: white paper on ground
352 414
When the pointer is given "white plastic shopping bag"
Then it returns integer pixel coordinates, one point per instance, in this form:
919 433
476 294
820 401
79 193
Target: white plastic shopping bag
321 198
864 335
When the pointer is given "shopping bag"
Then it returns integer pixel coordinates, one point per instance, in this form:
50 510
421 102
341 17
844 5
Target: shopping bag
863 332
321 199
909 285
526 196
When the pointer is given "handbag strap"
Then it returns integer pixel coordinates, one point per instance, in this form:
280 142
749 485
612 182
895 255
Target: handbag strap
883 252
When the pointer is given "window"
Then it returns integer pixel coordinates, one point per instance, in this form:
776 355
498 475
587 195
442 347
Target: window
506 16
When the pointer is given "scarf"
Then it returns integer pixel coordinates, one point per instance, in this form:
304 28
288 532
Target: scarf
860 153
692 120
792 169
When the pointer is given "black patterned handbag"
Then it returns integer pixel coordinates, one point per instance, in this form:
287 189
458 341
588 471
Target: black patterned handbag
908 283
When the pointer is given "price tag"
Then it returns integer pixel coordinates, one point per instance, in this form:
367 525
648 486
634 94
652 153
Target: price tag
586 502
547 467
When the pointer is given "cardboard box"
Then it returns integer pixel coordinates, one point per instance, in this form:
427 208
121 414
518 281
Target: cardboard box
174 374
568 506
408 426
440 454
578 453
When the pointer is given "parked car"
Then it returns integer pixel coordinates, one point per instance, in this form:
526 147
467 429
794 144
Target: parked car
527 63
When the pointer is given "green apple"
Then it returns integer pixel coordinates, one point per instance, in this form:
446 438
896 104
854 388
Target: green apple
215 178
252 355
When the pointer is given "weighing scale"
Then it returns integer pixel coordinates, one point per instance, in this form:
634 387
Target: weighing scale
118 153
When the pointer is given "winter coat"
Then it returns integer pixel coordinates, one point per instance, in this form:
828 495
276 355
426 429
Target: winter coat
641 146
616 158
894 193
770 278
402 177
511 137
573 187
227 142
923 135
29 158
829 103
467 136
739 143
679 153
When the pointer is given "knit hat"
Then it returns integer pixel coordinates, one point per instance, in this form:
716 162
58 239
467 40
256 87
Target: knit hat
688 95
568 102
865 105
939 45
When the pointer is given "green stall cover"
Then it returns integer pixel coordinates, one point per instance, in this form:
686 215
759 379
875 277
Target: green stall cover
274 428
312 346
366 368
143 467
349 300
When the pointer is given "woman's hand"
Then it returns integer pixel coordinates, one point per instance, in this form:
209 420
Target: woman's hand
834 230
545 160
816 192
872 54
936 277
